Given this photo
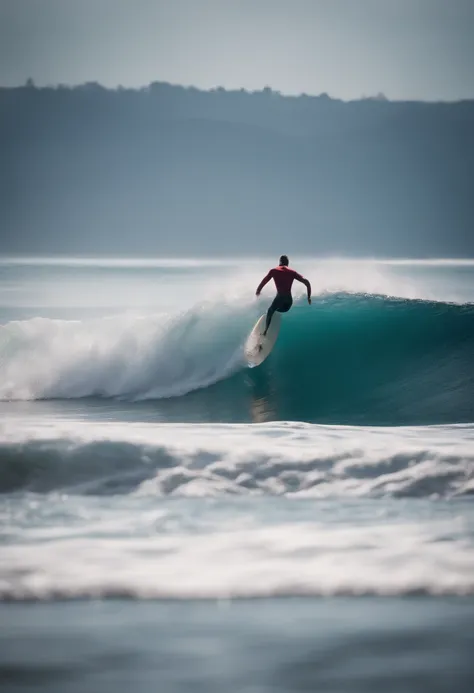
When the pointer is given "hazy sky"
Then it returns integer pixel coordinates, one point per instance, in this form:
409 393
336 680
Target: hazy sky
415 49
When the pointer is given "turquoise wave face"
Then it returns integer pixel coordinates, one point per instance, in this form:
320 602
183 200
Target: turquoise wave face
353 359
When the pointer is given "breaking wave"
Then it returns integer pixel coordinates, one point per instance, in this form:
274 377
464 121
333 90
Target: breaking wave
350 358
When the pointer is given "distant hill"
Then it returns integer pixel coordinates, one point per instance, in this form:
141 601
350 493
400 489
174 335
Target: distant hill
168 170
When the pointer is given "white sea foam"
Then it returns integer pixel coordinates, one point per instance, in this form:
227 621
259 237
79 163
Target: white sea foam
241 555
296 460
227 511
152 356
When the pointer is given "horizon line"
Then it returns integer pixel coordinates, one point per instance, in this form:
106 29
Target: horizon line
117 261
380 97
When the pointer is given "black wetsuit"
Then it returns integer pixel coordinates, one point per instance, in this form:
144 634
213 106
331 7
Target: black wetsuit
281 304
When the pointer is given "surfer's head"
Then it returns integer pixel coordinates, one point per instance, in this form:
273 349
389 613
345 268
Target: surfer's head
284 261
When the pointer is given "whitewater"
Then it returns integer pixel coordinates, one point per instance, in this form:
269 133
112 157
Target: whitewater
146 469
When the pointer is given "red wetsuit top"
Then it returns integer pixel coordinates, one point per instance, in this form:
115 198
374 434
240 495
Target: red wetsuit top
283 278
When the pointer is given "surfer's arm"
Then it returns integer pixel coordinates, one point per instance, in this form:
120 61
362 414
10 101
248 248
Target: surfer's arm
304 281
264 281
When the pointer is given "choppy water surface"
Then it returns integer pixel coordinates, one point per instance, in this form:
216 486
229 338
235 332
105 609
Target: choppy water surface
140 458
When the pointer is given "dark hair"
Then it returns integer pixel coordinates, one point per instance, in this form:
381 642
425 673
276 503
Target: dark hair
284 260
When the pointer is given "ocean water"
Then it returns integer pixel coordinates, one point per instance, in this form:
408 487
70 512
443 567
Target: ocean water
173 520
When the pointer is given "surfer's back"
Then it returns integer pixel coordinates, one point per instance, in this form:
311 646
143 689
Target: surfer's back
284 277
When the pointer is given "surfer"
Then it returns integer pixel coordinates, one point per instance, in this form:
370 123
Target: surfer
283 277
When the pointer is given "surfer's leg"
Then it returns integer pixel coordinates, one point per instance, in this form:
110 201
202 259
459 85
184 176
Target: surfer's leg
270 311
281 304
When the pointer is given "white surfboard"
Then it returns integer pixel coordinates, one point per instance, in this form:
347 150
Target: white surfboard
257 347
